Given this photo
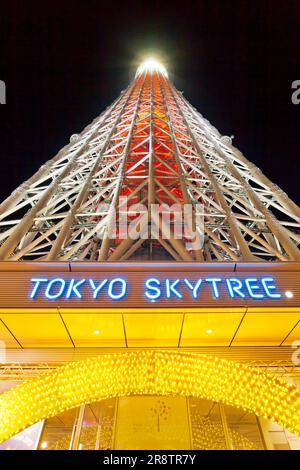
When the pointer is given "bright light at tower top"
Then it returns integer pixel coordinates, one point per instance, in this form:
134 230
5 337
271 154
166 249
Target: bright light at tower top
151 65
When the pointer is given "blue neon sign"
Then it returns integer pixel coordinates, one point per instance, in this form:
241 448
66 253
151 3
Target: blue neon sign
155 288
59 288
255 288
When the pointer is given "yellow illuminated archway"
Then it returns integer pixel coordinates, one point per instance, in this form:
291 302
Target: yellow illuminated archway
149 373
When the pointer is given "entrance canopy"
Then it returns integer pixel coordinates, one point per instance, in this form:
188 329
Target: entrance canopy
67 305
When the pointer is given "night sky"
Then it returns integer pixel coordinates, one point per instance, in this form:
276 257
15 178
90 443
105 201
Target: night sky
64 62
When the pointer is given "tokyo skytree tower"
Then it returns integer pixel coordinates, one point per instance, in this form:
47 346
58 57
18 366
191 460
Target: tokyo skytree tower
149 151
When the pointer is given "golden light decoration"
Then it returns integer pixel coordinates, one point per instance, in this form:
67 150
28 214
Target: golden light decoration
208 435
149 372
88 438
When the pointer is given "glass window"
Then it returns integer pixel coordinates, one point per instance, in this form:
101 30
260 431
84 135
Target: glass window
97 426
206 425
57 431
244 429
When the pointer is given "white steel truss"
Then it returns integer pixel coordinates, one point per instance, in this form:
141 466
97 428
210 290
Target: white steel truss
152 147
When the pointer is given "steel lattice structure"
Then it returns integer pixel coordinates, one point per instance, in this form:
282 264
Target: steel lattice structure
153 147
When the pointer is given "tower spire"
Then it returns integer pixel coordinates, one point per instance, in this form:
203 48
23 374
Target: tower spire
151 65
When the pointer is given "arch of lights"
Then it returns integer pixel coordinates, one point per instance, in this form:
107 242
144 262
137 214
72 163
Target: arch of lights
149 372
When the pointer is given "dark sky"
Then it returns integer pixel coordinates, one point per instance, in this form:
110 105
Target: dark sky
64 62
